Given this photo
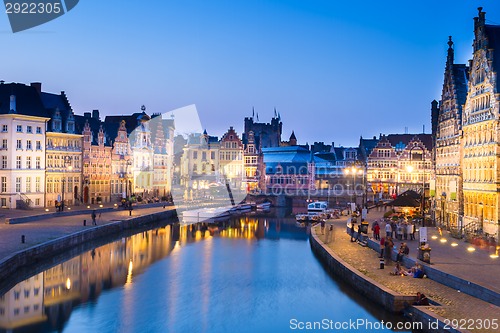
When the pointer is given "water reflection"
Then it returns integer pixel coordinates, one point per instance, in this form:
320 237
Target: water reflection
157 273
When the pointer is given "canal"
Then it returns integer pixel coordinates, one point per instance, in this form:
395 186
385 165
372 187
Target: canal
250 274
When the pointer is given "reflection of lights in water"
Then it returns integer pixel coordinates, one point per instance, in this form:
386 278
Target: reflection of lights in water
471 249
129 273
434 237
454 244
68 284
443 240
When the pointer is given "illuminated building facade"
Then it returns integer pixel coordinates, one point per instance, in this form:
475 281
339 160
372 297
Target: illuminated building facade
481 123
400 162
448 176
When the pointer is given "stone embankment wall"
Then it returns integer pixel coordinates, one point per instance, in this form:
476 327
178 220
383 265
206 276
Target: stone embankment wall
38 253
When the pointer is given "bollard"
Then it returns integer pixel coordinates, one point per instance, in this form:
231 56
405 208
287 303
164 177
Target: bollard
84 223
23 239
382 263
130 213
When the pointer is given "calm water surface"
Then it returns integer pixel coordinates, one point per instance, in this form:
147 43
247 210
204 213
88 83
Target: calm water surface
248 275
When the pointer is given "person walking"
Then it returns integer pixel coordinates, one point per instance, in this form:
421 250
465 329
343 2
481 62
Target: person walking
388 229
376 231
388 248
382 247
94 216
352 230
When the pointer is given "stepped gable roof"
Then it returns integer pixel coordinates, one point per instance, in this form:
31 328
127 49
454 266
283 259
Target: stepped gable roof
398 139
53 102
493 35
95 125
28 101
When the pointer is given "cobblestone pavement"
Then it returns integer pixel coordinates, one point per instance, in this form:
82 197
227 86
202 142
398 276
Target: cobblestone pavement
453 304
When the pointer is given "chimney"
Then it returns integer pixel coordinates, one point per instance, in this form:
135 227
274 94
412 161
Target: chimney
37 86
86 114
12 108
95 114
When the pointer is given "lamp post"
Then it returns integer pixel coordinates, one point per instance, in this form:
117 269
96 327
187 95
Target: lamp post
410 169
353 171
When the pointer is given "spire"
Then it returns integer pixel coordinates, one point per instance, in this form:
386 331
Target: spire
257 116
279 116
275 115
253 112
450 58
293 139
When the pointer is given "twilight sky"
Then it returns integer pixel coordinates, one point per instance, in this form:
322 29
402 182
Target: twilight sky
335 70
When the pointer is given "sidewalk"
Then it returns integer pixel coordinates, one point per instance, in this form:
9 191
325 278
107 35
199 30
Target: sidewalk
453 304
41 231
477 266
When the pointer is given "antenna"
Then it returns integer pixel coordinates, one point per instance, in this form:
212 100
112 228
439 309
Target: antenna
423 129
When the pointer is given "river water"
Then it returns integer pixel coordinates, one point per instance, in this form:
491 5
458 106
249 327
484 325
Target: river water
247 275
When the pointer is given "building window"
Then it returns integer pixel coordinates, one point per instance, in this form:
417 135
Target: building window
3 202
29 129
19 128
4 144
4 185
28 162
37 202
28 145
5 128
4 162
18 162
28 184
38 145
195 155
212 155
38 163
19 144
38 130
18 184
37 186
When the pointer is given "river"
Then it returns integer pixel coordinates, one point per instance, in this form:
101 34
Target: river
250 274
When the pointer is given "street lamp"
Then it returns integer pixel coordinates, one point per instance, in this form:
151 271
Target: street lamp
410 169
353 171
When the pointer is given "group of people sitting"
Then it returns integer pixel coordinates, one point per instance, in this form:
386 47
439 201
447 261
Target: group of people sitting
415 271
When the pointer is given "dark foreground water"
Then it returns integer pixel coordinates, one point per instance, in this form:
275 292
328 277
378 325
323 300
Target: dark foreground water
249 275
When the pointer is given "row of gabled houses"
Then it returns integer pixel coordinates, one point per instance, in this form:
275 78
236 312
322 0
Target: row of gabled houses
52 157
